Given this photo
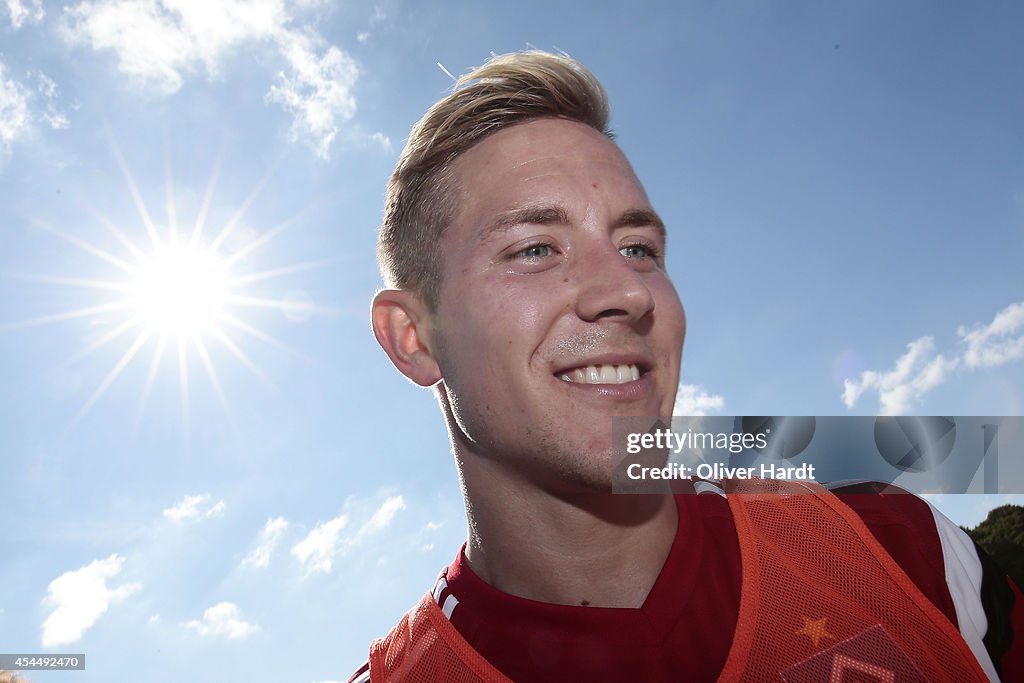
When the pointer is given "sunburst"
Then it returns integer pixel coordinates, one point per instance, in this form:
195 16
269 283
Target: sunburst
176 292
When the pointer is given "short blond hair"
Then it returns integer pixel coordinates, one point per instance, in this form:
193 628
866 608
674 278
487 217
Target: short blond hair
421 197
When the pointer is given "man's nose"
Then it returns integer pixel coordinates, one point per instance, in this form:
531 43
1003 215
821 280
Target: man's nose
609 286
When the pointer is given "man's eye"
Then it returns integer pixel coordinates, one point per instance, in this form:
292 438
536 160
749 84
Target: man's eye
638 251
536 251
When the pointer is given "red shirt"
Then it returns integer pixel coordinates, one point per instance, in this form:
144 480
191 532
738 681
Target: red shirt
684 628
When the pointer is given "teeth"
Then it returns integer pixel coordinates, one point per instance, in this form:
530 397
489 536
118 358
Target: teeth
602 374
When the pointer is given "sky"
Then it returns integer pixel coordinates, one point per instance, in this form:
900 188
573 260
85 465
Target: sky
229 481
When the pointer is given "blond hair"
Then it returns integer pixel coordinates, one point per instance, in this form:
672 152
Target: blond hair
506 90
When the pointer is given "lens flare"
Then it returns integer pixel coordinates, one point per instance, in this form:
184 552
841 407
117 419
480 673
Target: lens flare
176 292
181 290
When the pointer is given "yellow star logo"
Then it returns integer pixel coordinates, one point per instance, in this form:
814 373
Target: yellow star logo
815 630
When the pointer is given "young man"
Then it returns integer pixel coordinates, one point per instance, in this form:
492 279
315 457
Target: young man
527 286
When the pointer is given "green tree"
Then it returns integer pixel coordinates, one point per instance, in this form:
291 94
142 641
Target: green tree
1001 535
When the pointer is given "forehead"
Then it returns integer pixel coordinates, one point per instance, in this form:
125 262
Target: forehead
544 161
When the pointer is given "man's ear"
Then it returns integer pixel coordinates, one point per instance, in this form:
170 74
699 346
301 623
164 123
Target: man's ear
402 326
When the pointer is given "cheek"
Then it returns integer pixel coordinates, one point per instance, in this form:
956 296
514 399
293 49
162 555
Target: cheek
514 312
485 351
479 341
528 311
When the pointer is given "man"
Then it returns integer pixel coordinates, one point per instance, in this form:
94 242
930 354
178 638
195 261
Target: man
527 286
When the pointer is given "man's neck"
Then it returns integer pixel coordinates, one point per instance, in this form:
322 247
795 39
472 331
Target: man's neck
595 548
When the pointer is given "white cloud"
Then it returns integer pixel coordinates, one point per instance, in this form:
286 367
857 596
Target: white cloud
915 373
189 509
692 399
268 540
383 140
159 43
921 368
363 36
992 345
382 517
317 89
15 116
20 108
317 550
222 619
20 12
150 45
79 598
48 89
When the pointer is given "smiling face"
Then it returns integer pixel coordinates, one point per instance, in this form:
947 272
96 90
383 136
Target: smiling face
555 311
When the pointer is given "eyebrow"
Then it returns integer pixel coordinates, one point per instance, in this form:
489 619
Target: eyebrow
641 218
533 215
557 215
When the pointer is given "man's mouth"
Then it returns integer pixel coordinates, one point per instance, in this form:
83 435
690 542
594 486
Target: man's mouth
602 374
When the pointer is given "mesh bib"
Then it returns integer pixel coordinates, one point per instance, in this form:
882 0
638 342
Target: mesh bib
821 601
426 648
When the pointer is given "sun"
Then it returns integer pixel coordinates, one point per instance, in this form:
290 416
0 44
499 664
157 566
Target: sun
181 290
177 291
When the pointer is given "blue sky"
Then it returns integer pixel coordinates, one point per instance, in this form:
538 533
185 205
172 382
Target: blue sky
844 189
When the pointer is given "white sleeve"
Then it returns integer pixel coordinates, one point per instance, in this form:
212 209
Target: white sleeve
963 577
